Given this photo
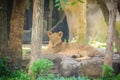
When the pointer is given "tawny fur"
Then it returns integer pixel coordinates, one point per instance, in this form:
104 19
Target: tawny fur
80 51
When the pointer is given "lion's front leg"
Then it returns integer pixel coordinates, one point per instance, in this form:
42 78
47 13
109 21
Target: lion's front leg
83 58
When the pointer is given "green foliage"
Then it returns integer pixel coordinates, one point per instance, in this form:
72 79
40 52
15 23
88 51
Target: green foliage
41 67
20 75
7 74
74 2
57 3
81 1
16 75
4 67
65 41
108 71
116 77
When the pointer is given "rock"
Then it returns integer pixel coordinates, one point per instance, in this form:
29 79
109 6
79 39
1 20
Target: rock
56 67
67 66
92 67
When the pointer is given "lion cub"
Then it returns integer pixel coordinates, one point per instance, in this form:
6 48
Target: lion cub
75 50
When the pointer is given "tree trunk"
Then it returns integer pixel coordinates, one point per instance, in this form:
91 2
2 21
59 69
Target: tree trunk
76 19
50 14
3 29
119 6
16 31
112 19
105 11
37 32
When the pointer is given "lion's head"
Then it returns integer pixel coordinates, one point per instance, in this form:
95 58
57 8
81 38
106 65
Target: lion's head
55 38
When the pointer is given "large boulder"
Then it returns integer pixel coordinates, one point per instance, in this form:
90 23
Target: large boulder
67 66
70 67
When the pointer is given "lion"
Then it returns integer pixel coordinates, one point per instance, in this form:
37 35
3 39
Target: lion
74 50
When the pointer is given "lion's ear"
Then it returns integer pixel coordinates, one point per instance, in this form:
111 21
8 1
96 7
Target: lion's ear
49 33
60 33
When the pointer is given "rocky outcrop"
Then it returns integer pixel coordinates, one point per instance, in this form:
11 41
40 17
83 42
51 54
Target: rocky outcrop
69 67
